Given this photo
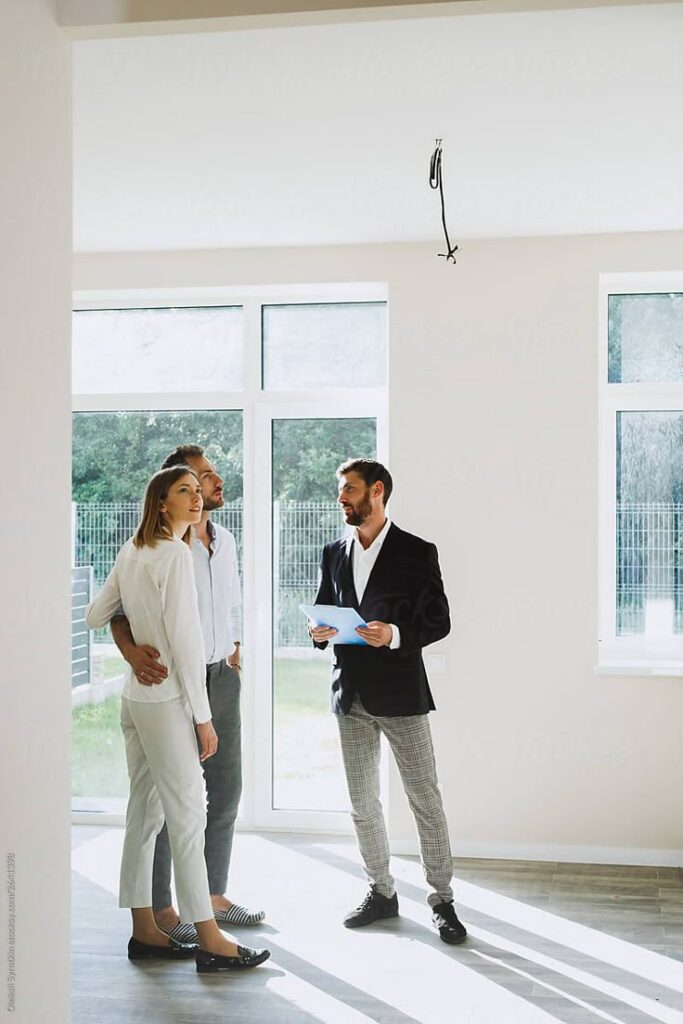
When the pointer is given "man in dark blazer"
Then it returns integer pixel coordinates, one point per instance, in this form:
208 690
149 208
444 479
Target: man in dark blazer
393 580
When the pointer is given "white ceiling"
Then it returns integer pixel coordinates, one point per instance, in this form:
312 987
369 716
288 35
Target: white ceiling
553 122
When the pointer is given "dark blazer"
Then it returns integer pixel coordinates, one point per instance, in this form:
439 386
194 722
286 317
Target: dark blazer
405 589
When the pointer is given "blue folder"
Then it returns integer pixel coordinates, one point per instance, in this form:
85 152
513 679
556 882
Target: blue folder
343 619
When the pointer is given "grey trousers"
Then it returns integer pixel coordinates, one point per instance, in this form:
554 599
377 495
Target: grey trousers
411 744
223 778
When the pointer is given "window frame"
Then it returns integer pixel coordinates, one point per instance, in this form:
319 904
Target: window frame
627 655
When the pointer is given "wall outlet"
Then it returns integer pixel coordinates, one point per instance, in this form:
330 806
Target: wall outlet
435 662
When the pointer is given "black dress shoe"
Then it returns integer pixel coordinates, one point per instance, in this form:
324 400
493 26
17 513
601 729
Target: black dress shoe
174 951
446 923
212 963
374 907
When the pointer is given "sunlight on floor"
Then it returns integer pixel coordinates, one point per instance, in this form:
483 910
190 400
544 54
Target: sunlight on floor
521 965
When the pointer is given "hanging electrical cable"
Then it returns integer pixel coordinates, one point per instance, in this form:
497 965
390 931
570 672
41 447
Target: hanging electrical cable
436 181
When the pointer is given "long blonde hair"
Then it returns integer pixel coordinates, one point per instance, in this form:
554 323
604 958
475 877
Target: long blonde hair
153 526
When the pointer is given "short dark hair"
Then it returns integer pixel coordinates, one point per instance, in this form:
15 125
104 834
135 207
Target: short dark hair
181 454
371 472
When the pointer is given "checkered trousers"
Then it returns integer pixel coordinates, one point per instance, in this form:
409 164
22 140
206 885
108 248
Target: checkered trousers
411 744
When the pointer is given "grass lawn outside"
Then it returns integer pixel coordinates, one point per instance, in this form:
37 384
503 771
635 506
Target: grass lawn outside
307 766
112 665
308 772
98 765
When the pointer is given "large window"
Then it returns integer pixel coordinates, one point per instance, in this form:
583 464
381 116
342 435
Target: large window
642 473
279 388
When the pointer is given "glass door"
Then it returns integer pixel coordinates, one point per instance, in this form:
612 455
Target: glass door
307 770
301 784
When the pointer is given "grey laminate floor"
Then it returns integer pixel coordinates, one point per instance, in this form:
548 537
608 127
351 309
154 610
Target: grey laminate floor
548 942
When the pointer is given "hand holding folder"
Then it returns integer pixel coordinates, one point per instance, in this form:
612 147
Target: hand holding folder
344 620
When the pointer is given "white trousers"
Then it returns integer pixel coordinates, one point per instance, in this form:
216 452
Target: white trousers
166 782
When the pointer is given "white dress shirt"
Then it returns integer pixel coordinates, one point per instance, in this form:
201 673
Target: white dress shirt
362 562
157 588
219 592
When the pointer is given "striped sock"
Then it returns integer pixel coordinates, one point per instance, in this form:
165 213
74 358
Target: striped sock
239 915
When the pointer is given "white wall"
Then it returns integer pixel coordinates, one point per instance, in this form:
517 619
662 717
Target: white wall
35 283
493 439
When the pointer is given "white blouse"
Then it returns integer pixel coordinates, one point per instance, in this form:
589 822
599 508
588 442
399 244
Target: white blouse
156 587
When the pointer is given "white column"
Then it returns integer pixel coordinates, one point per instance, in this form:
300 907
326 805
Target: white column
35 515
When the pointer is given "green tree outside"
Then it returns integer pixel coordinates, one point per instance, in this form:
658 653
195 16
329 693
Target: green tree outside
115 454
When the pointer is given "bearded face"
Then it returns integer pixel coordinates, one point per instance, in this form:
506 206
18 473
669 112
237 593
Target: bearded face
356 507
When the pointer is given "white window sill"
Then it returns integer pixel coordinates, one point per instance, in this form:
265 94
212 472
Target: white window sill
624 667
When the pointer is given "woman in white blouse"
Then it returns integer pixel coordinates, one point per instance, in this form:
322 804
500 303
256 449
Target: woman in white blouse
153 579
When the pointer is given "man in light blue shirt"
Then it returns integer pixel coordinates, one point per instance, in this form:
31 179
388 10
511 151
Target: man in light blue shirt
219 593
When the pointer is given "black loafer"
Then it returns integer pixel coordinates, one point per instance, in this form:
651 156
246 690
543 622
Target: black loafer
447 924
212 963
374 907
174 951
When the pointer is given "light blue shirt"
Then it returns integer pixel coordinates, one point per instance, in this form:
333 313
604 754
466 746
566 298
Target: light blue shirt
217 576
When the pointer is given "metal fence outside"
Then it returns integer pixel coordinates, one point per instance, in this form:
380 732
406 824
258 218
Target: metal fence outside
81 637
649 562
649 555
102 528
303 528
